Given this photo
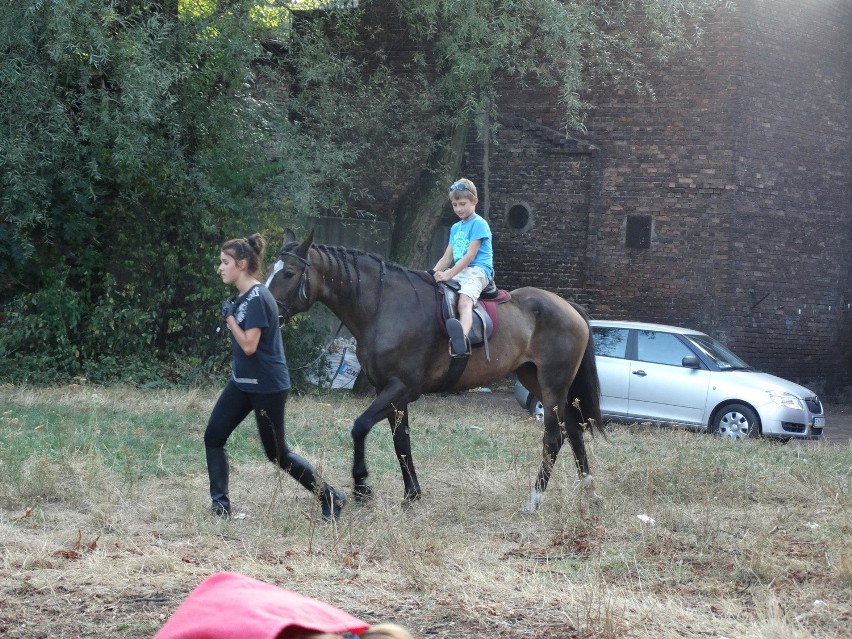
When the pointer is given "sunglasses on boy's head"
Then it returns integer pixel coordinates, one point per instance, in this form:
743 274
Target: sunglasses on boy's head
460 186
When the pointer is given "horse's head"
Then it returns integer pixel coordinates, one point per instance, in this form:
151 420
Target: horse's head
289 278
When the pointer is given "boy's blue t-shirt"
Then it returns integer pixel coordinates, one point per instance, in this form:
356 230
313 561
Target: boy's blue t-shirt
466 231
266 370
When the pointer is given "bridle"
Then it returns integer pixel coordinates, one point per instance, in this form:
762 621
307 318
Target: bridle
304 279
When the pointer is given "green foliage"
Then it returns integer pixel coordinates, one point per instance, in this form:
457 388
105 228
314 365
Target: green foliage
131 145
136 137
304 342
56 333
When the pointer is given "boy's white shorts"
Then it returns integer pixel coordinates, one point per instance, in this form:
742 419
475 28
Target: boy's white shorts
472 280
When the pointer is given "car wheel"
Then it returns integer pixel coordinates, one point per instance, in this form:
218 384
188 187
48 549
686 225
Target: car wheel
737 422
536 408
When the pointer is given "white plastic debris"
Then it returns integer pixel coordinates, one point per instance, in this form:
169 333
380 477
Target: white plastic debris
343 366
645 519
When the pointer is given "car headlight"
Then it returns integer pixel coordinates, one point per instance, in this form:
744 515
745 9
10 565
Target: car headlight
787 400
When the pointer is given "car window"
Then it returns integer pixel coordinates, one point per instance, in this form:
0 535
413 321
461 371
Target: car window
724 358
611 342
661 348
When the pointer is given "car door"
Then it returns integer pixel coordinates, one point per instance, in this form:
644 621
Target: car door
661 388
613 368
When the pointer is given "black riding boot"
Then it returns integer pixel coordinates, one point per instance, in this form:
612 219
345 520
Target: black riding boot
331 500
217 470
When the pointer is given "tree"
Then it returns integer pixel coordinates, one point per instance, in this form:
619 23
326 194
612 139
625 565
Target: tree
132 141
136 136
401 81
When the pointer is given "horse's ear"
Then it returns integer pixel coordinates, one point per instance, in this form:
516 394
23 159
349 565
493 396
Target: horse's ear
305 246
289 236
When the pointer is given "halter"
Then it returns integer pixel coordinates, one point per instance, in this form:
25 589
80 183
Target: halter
304 279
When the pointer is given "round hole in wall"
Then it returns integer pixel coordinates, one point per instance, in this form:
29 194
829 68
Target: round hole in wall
518 217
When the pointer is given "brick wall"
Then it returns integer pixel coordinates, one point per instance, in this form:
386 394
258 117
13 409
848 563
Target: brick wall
785 305
741 165
669 159
536 198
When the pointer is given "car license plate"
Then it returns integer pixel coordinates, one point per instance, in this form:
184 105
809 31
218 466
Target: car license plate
819 422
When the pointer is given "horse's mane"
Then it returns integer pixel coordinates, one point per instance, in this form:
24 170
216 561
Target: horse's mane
348 261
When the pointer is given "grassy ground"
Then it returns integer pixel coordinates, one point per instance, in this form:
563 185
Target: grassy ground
105 528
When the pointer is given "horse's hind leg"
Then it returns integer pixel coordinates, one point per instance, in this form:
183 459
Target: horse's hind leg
552 442
578 446
559 423
402 445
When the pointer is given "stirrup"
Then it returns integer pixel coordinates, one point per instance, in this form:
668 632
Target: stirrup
466 353
459 342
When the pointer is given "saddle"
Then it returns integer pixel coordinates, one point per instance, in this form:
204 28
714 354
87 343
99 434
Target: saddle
484 311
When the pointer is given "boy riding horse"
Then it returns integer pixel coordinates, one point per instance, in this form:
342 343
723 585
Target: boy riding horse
468 259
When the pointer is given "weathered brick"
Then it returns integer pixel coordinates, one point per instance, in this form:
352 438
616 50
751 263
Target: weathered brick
743 164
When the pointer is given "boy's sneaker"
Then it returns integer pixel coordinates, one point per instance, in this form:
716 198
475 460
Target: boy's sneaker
332 502
459 343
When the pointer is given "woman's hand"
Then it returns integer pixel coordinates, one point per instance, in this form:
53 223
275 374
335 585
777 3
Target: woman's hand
228 308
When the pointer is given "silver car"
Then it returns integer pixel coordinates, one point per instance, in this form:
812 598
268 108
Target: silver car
670 375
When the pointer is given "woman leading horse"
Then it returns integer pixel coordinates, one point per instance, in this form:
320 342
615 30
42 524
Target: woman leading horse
391 312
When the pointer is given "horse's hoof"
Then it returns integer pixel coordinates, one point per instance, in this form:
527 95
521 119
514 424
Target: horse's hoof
533 502
362 493
588 484
409 499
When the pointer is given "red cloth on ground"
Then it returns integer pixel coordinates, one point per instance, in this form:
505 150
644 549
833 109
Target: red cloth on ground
232 606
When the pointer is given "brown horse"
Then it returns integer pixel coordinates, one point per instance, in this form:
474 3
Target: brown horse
391 312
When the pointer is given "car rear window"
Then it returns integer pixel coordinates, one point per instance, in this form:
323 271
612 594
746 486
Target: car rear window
610 342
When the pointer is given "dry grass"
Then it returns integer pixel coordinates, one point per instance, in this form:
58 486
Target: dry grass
748 540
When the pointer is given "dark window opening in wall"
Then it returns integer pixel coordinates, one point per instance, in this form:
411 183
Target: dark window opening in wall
518 218
638 232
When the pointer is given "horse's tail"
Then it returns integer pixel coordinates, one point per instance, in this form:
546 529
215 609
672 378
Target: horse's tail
585 392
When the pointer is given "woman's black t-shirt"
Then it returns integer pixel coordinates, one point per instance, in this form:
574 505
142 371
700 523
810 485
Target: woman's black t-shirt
266 370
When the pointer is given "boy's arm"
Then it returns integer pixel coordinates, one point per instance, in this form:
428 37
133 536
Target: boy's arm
446 260
467 258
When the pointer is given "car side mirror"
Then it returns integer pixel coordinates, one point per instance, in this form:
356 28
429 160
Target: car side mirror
690 361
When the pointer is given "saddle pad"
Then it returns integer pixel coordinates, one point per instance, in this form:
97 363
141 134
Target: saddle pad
490 307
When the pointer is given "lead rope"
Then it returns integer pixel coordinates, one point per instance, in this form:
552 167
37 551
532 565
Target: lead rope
324 348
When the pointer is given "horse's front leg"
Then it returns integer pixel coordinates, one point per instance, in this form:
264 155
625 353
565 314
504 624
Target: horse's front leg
402 445
381 408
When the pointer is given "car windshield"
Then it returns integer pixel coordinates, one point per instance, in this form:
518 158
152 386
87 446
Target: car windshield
723 358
